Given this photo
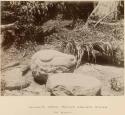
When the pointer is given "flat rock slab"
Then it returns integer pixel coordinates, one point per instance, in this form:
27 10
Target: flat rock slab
105 74
13 79
73 85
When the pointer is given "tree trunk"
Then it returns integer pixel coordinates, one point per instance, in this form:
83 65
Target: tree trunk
105 10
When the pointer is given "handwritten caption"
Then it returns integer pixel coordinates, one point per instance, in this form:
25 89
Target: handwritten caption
64 109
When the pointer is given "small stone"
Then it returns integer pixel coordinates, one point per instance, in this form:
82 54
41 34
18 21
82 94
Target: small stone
117 84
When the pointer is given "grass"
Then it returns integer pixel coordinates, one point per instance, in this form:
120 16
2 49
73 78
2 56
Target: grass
87 44
93 44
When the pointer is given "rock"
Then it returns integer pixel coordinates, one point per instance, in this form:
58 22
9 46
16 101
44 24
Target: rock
117 84
13 79
20 93
50 61
73 84
11 64
113 87
105 74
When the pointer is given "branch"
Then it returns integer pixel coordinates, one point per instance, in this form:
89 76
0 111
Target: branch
104 18
8 26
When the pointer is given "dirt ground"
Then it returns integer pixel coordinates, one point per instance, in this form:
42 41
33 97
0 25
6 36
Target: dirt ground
102 72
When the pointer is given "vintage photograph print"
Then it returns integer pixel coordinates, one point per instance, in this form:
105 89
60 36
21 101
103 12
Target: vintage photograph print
62 48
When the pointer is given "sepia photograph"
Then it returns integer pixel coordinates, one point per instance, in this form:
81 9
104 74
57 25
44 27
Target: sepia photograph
62 48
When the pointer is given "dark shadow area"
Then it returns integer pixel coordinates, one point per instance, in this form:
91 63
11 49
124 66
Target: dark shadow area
8 40
41 79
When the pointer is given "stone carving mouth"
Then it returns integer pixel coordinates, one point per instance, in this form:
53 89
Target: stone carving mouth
46 60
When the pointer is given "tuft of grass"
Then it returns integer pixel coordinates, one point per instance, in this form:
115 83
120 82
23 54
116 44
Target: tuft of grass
90 51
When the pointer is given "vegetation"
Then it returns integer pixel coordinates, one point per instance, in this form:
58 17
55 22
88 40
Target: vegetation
3 85
63 24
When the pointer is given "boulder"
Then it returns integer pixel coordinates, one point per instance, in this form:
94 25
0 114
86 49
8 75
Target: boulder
73 84
111 77
13 79
50 61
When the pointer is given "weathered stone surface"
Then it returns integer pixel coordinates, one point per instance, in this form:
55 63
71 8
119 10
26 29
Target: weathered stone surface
14 80
50 61
105 74
73 84
117 84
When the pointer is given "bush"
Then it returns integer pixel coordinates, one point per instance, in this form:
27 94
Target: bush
31 15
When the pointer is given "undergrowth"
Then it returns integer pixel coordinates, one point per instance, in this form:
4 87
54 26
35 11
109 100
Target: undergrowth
38 25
